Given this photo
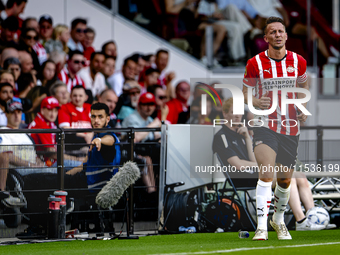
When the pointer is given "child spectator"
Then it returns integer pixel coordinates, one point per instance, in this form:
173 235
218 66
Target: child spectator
151 76
60 37
59 91
110 49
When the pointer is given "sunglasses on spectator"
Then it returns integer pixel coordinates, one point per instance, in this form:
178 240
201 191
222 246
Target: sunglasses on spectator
28 37
149 104
79 62
162 97
79 30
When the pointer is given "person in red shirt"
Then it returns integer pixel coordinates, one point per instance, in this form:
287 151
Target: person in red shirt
276 136
69 74
180 103
76 114
151 78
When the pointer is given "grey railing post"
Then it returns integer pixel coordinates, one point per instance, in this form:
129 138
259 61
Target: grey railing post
131 138
319 145
114 7
162 171
60 157
209 45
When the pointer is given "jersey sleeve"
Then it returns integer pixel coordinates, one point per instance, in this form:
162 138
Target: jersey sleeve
64 118
302 67
250 74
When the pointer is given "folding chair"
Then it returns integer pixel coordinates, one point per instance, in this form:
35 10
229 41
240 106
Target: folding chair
239 186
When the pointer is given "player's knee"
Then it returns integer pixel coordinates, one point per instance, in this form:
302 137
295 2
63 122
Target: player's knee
284 183
264 179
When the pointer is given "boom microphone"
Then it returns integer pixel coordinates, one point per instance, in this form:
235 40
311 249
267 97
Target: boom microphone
114 189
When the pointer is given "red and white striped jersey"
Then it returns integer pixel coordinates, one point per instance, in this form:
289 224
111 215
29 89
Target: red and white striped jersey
65 78
264 74
41 52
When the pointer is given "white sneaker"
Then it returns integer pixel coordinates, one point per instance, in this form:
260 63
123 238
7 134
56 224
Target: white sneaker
281 230
307 225
260 234
331 226
11 202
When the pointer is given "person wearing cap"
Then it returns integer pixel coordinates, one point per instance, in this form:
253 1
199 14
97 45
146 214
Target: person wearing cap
128 101
141 118
45 28
22 157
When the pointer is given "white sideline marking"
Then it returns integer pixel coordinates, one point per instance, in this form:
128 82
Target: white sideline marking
249 249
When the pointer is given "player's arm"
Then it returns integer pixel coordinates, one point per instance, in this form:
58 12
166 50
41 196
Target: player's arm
262 103
244 131
77 169
240 163
302 82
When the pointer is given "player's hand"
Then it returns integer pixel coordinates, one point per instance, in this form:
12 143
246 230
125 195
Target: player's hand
96 143
265 101
243 131
302 117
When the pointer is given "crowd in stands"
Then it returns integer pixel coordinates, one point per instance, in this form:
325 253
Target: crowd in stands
237 25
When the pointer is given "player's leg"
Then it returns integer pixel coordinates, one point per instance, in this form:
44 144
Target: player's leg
265 157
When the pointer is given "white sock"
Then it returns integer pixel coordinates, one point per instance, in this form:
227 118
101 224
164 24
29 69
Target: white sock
281 197
263 192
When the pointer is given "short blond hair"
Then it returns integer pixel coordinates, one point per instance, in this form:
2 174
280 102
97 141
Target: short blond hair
227 104
58 30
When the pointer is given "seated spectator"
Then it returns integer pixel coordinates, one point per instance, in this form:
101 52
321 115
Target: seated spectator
151 76
110 49
69 74
37 47
88 44
76 114
109 68
45 119
6 94
17 151
13 65
26 82
180 103
149 59
128 101
196 116
139 59
47 75
14 8
141 118
7 76
110 98
45 29
60 37
93 79
9 27
59 58
8 53
162 110
28 39
59 91
127 73
78 29
26 62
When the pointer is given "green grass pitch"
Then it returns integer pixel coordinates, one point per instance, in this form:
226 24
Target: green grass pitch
318 242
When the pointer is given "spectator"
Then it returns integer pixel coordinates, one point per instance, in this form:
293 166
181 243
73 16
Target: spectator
59 58
162 109
76 114
13 64
47 75
6 94
110 98
28 39
110 49
45 28
26 62
88 42
59 91
141 118
14 8
45 119
60 37
7 76
149 59
8 53
19 156
127 73
69 74
26 82
93 78
138 58
151 76
78 29
180 103
9 27
109 68
128 101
